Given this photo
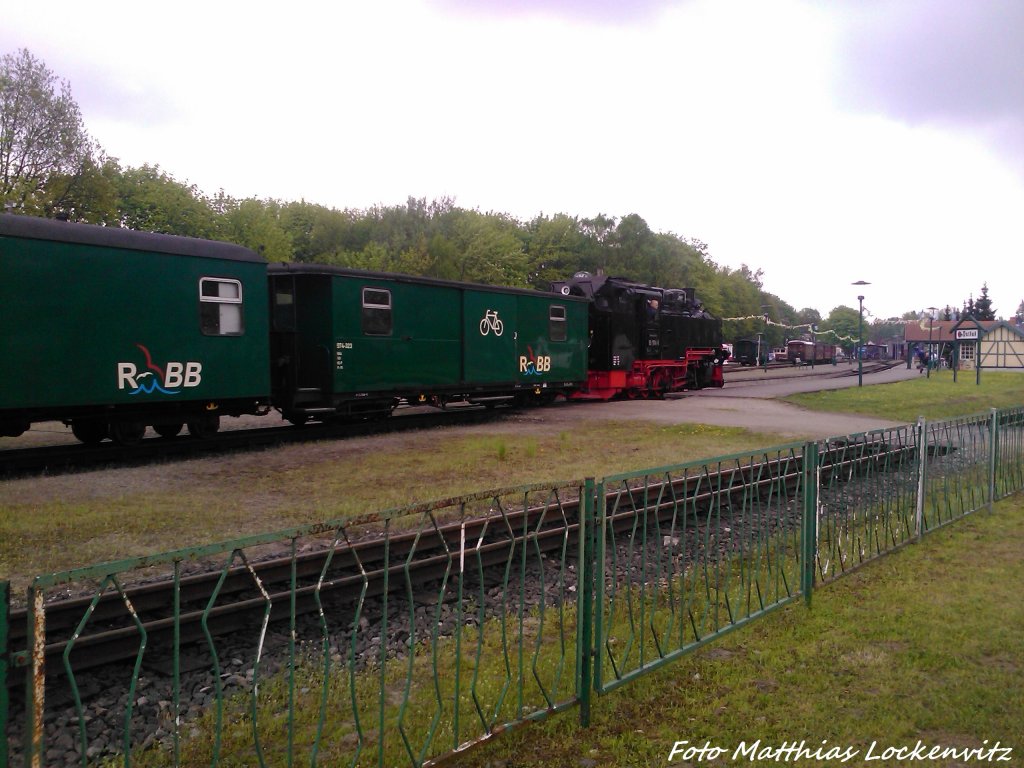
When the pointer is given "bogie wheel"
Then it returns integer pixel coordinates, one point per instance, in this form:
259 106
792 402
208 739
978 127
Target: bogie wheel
127 432
168 430
298 419
204 426
89 432
546 398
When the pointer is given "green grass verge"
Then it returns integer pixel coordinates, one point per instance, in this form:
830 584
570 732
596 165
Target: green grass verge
935 398
68 522
923 644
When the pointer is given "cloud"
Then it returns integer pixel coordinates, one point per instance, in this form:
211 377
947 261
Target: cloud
943 62
593 11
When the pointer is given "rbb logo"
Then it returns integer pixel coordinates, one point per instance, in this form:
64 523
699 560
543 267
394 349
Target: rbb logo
177 375
168 380
541 365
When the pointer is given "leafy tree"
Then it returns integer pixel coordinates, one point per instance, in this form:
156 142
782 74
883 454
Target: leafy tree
884 331
255 224
46 156
600 228
842 325
808 316
702 274
153 201
319 233
632 251
490 249
92 197
1019 317
555 249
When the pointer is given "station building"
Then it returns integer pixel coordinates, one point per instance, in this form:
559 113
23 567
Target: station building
969 344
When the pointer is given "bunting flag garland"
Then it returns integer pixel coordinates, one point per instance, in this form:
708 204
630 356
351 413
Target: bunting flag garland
805 326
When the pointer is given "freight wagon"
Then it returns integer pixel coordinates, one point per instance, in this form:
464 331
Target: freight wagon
801 352
750 352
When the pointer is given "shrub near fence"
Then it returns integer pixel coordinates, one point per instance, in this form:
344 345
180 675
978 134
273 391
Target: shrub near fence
404 637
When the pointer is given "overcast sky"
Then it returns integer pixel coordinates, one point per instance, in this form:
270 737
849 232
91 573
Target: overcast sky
821 142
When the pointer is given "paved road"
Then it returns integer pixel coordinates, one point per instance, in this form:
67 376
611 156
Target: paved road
747 400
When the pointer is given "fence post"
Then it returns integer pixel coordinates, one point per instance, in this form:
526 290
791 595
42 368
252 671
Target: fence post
809 528
993 451
585 617
5 620
35 683
922 463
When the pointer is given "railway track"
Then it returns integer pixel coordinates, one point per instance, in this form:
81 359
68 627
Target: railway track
75 456
779 371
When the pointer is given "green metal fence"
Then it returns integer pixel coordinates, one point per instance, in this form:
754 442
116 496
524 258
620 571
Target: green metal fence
1008 461
391 639
959 471
867 492
404 637
688 552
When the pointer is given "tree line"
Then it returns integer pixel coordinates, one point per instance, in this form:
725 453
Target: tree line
50 166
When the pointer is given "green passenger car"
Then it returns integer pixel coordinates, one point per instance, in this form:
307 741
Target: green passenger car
111 330
346 342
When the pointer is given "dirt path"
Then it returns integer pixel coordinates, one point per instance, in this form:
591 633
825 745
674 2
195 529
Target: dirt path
748 400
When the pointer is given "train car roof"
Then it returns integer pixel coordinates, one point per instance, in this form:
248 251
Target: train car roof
33 228
324 269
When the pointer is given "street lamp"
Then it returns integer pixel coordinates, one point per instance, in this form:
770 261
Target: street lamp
931 322
767 321
860 336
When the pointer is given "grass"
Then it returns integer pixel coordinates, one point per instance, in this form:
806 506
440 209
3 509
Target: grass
935 398
924 644
75 520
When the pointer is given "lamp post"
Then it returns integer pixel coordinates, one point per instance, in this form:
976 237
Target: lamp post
767 343
860 335
931 322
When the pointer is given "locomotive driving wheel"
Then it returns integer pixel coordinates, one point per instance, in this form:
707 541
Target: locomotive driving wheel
659 384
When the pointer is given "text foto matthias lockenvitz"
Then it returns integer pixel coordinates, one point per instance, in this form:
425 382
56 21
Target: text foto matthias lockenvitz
795 751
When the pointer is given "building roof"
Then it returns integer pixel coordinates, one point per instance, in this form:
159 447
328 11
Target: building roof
1012 327
941 330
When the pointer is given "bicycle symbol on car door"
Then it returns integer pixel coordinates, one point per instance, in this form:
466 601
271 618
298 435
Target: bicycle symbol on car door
491 323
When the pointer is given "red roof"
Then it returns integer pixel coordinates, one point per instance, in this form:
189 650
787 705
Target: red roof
942 330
